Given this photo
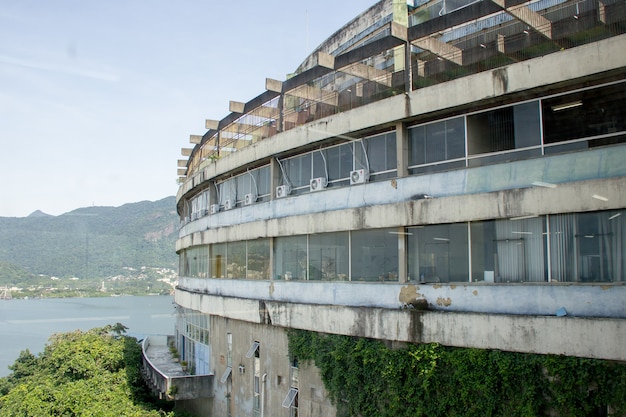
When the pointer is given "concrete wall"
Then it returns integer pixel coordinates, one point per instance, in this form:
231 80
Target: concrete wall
274 371
586 337
542 299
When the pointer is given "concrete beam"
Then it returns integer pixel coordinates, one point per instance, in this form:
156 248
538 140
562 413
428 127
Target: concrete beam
236 107
325 60
186 151
529 17
441 49
211 124
182 172
367 72
182 163
315 94
195 139
273 85
266 112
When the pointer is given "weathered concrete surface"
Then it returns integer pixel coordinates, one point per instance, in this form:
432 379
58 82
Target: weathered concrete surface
600 338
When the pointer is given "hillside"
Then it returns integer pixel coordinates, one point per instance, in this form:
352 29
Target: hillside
89 243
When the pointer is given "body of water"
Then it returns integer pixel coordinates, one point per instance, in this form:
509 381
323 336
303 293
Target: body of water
28 324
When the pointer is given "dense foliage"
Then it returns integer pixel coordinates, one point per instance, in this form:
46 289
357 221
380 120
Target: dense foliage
93 373
365 378
93 242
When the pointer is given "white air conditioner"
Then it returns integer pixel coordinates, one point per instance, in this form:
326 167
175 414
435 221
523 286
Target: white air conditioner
228 204
215 208
359 176
317 184
283 191
249 199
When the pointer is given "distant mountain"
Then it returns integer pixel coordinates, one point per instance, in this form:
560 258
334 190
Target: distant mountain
92 242
38 213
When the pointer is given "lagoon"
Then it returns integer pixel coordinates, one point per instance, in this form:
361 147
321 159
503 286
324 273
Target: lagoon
28 324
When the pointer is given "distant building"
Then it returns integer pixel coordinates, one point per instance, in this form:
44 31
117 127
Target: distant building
466 157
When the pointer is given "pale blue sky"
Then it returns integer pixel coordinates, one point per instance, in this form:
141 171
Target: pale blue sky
98 97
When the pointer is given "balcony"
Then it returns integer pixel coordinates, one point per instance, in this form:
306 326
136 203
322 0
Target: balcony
165 376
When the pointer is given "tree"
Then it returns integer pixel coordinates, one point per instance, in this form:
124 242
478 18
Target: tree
92 373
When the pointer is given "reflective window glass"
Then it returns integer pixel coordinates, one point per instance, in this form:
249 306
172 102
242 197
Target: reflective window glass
290 257
236 259
374 255
438 253
328 256
258 259
509 250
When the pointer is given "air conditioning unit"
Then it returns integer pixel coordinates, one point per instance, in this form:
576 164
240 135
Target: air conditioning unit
228 204
215 208
249 199
359 176
204 212
283 191
317 184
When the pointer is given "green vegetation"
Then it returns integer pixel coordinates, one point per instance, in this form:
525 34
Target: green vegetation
93 373
365 378
129 248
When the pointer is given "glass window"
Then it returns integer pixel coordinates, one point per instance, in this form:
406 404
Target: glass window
504 129
379 154
328 256
236 258
438 253
228 192
374 255
298 170
340 163
600 111
197 262
218 260
183 264
588 247
509 250
259 259
290 256
435 142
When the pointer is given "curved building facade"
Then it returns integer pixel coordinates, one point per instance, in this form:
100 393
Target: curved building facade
439 171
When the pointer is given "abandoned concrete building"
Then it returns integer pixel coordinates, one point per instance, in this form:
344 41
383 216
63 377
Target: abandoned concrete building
463 158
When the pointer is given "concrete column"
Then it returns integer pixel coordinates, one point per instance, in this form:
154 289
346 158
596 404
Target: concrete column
402 149
402 256
275 175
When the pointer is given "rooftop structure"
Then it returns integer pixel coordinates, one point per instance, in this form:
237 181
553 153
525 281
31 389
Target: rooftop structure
440 171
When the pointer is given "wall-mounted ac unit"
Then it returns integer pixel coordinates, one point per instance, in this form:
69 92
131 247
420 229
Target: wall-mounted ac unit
228 204
317 184
204 212
283 191
215 208
359 176
249 199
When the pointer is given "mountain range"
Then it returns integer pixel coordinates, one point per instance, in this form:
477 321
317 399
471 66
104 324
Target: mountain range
90 243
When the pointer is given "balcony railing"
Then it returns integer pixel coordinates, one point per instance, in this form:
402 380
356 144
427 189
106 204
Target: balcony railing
165 376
